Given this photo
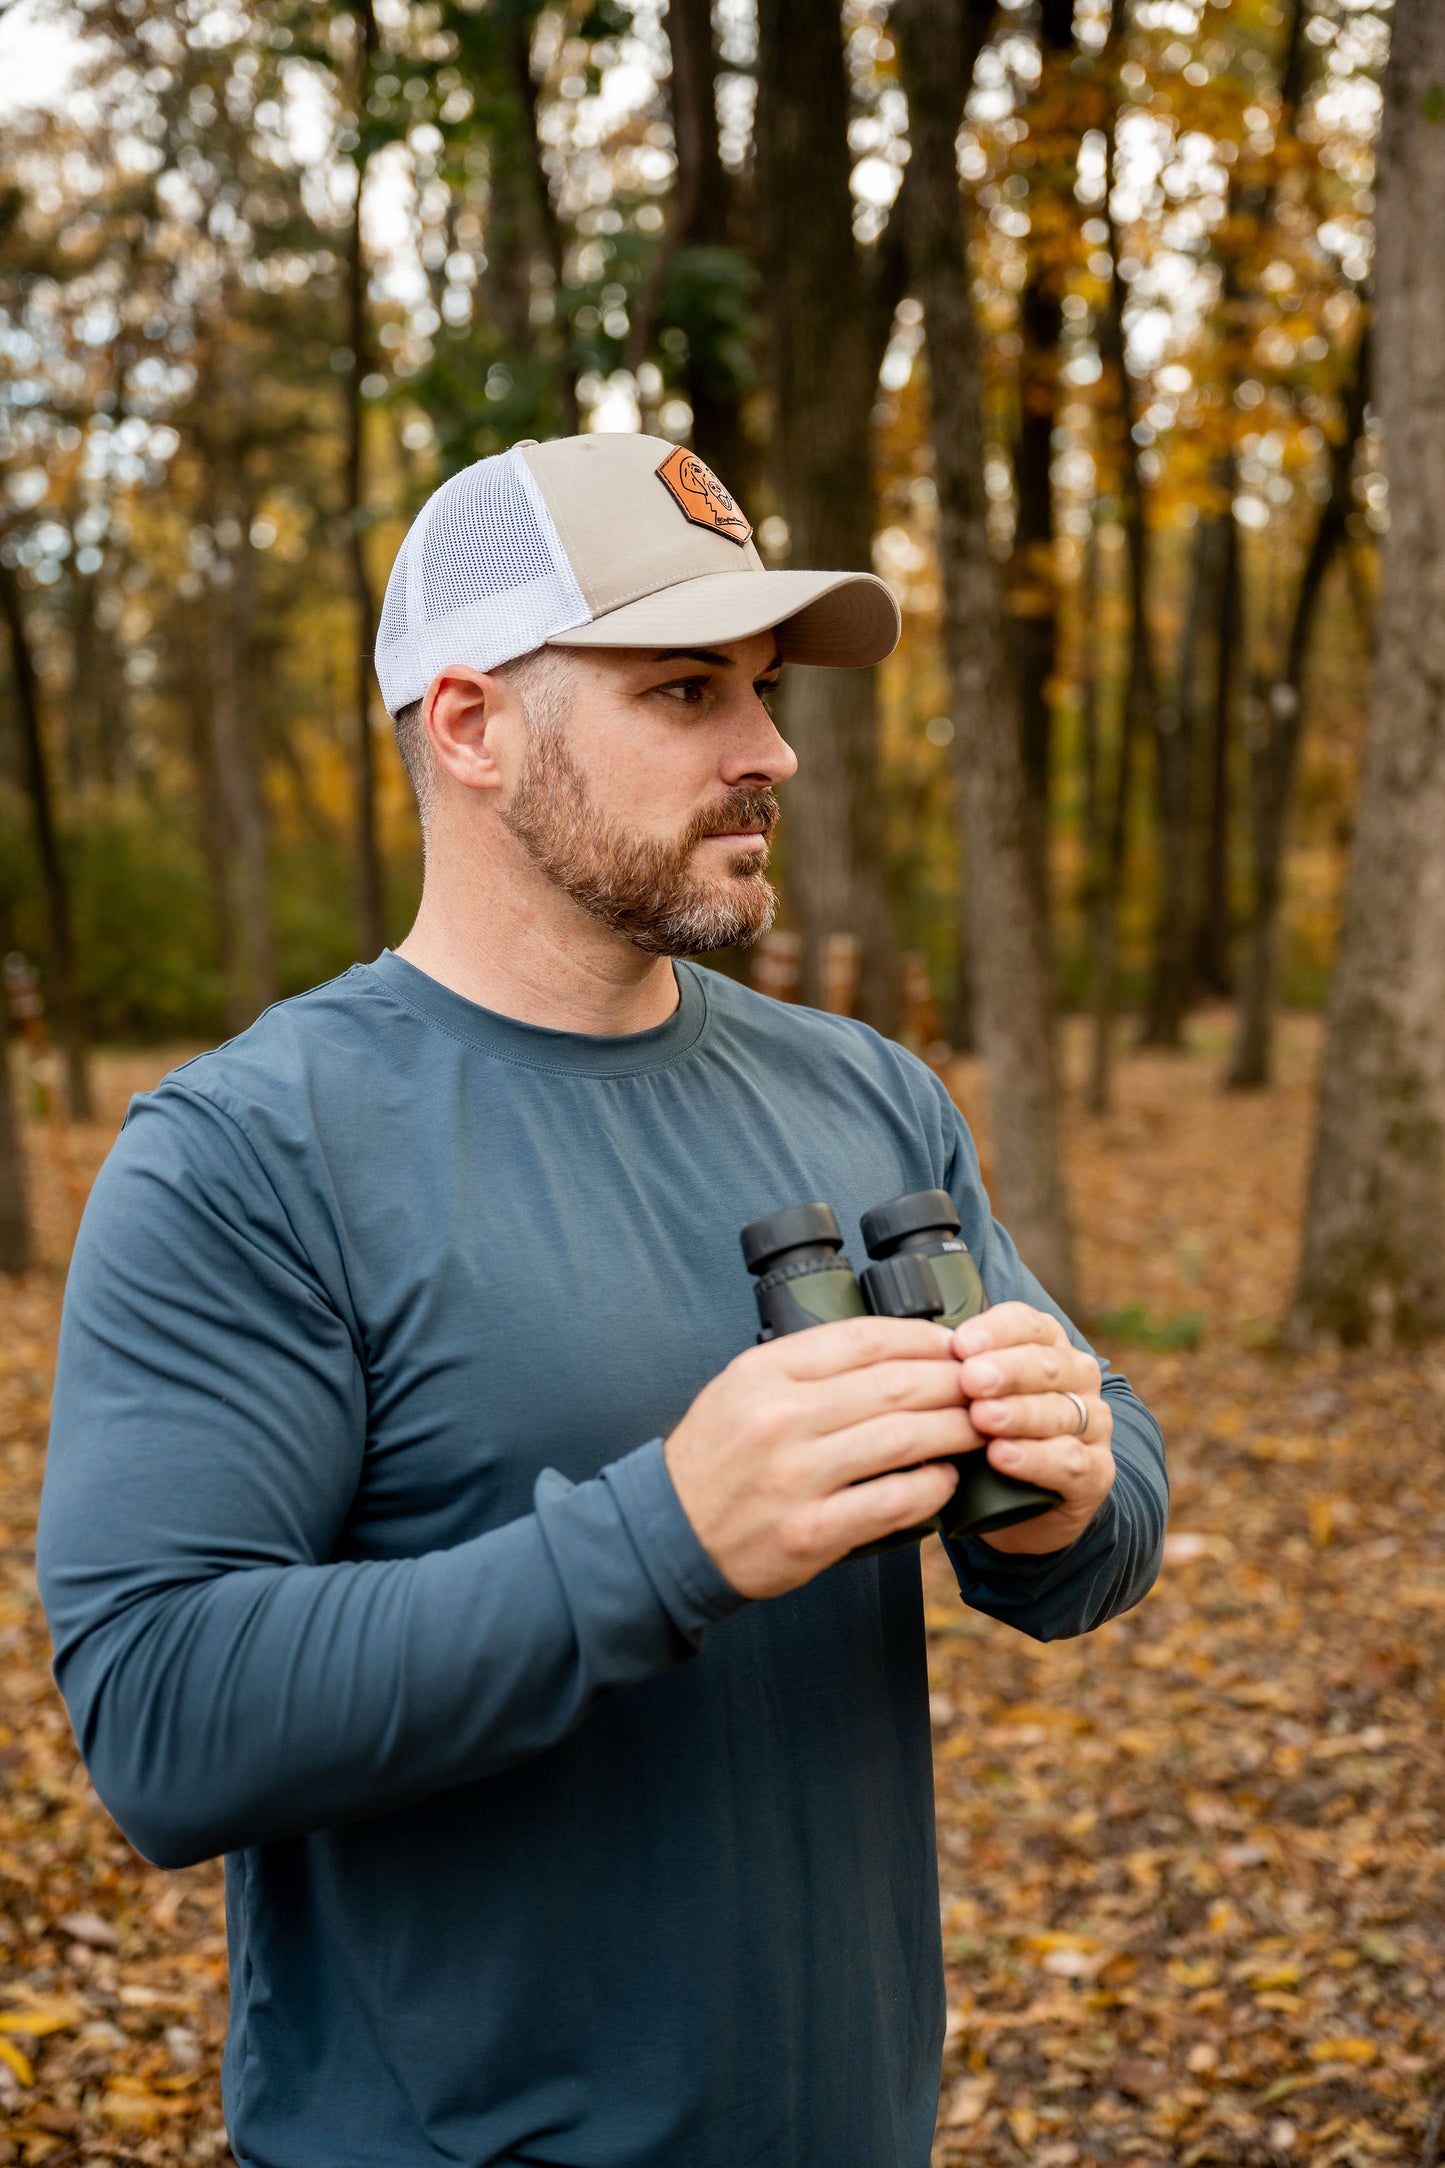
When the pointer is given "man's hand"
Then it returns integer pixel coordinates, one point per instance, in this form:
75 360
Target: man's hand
810 1445
1017 1364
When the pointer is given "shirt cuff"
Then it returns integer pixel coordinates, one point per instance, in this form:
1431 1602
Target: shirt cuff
1034 1572
694 1592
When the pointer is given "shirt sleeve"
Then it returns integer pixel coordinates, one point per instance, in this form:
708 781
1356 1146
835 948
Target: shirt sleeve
1115 1562
230 1680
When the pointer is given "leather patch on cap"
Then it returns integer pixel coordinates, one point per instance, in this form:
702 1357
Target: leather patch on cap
702 497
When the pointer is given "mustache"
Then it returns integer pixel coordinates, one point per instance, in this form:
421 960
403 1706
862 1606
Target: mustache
741 808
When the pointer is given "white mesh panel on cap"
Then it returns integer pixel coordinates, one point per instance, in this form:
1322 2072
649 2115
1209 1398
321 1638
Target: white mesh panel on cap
480 577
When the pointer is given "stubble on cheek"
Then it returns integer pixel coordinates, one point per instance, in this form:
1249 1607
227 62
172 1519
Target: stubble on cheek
649 891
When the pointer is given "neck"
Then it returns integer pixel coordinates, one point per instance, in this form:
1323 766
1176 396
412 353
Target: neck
492 928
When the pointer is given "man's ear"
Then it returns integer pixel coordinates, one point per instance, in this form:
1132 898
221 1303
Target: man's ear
467 716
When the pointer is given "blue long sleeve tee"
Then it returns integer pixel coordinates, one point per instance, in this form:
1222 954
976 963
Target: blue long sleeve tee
364 1568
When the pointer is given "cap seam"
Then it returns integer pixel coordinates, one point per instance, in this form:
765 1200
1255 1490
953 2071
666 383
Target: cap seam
646 594
546 1068
634 594
671 587
531 482
560 522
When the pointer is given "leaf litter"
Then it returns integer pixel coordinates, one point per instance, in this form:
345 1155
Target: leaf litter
1191 1866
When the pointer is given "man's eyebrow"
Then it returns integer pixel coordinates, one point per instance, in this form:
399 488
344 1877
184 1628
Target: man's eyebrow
711 656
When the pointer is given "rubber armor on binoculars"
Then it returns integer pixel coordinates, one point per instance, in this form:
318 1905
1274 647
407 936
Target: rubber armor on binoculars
920 1268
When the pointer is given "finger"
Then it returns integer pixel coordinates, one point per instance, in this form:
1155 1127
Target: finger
870 1511
1009 1324
1080 1473
853 1343
1033 1368
856 1396
1038 1415
891 1442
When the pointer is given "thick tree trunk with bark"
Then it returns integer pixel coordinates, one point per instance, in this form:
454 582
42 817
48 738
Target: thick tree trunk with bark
1374 1248
1008 936
15 1244
1275 762
824 367
55 885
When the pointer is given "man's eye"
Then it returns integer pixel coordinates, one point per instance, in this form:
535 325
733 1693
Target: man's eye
768 693
688 690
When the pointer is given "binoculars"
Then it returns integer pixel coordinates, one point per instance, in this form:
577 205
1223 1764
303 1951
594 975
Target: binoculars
920 1268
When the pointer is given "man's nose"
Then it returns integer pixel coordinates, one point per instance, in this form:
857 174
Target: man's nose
764 757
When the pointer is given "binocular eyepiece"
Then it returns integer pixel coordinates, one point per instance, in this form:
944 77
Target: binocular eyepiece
802 1277
920 1268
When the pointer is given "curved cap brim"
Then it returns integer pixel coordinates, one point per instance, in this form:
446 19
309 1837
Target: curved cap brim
842 620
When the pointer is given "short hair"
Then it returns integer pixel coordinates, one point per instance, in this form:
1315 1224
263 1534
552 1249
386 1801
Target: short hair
411 743
543 678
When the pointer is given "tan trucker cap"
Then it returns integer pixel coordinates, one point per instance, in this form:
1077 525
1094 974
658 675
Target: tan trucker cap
603 541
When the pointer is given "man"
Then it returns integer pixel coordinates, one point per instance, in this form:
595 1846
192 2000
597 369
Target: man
423 1530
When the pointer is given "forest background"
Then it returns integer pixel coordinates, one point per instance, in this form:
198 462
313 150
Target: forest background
267 274
1111 337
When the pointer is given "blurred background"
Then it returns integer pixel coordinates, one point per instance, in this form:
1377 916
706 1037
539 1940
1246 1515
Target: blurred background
269 273
1110 335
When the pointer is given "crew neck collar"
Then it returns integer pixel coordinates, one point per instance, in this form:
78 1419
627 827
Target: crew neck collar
533 1046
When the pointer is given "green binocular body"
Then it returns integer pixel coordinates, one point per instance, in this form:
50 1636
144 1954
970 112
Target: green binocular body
920 1268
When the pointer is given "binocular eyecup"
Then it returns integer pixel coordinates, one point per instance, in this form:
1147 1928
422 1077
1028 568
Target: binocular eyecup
920 1268
802 1277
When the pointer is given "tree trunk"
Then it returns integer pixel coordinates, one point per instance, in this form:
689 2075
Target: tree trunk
211 819
1112 846
824 379
1012 970
55 886
1090 761
704 215
1213 961
960 1011
1374 1248
1177 753
524 234
237 767
1141 704
1030 578
15 1244
1029 583
1192 922
698 209
370 901
1275 763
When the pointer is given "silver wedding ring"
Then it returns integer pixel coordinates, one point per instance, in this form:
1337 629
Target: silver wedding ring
1078 1401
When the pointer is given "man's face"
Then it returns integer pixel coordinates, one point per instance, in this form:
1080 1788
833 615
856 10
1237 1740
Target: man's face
646 790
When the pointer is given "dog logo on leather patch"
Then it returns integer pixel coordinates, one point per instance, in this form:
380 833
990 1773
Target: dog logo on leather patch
702 497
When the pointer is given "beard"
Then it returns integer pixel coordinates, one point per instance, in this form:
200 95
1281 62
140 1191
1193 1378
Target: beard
644 889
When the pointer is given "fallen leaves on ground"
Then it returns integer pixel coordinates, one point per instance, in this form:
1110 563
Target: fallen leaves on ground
112 1974
1191 1866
